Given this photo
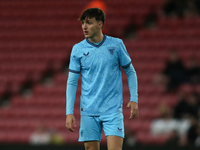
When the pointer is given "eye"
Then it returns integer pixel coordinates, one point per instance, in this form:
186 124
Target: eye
89 22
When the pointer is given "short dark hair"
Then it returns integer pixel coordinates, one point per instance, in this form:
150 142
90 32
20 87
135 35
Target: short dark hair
96 13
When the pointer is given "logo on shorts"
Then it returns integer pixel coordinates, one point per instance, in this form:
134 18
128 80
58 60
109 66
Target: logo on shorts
81 132
120 129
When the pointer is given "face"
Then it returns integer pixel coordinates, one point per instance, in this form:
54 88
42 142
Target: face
91 27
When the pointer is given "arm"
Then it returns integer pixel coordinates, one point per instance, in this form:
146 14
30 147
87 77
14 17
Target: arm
72 84
125 62
133 88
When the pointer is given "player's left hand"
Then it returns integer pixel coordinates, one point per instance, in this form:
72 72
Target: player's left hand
134 109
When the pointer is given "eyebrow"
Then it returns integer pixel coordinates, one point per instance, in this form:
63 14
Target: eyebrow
85 20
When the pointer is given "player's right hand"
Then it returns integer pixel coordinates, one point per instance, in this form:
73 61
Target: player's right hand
70 119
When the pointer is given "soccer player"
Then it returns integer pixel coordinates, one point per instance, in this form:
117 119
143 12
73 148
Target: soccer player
99 58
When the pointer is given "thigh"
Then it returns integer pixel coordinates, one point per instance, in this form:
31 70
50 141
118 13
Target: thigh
90 129
113 124
92 145
114 142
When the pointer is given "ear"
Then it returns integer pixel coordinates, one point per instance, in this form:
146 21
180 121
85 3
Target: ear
100 24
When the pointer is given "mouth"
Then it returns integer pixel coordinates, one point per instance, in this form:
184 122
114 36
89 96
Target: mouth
86 32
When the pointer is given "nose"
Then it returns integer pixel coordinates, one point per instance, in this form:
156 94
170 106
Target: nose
84 26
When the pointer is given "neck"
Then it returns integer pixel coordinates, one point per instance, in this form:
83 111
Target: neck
96 39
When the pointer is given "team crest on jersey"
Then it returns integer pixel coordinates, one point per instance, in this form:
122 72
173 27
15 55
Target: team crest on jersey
111 50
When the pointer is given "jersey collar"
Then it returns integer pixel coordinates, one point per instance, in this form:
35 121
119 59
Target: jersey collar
104 38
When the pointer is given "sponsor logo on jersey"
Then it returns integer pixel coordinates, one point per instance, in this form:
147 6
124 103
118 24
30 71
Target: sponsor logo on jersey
86 54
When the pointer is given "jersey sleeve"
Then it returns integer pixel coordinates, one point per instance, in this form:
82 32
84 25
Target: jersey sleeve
124 58
72 84
132 82
74 65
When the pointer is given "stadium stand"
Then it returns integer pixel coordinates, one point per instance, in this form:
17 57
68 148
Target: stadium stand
38 35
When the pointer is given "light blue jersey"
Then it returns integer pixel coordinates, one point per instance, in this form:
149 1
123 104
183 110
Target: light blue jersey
101 79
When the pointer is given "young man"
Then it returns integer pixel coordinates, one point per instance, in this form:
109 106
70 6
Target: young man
99 58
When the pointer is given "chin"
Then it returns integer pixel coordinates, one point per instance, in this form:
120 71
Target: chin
87 36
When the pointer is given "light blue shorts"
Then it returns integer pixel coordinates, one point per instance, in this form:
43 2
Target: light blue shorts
91 126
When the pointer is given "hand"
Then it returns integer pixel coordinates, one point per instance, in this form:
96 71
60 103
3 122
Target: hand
70 119
134 109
